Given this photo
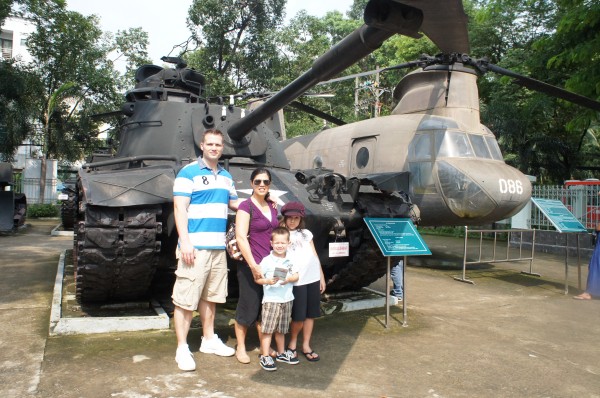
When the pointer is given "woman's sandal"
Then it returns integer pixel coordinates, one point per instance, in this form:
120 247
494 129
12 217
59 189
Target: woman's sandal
311 356
583 296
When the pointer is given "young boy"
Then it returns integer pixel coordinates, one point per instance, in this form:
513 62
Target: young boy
278 275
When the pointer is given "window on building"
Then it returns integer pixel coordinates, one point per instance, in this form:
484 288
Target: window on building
6 48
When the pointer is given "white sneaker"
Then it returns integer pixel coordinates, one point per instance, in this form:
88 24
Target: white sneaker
185 359
216 346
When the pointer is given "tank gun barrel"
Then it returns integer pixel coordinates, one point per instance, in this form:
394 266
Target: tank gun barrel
383 19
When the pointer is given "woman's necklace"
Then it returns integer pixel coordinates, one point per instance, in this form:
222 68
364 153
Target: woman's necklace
262 205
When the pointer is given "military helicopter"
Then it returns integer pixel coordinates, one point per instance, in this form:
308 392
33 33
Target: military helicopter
458 175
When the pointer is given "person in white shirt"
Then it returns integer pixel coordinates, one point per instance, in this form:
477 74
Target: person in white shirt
311 282
278 273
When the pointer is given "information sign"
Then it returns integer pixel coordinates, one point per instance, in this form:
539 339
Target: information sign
397 237
562 219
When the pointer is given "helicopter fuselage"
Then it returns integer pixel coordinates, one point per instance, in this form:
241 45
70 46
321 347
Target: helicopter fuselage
458 175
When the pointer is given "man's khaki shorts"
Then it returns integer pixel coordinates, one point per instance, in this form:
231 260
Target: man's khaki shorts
206 279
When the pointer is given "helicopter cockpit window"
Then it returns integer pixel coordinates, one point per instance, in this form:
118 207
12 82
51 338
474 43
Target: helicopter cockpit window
422 177
420 147
494 148
362 158
481 150
453 144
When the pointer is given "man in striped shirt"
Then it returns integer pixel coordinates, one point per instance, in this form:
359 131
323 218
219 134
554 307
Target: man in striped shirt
202 193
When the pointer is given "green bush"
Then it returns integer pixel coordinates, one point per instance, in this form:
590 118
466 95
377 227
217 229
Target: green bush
42 210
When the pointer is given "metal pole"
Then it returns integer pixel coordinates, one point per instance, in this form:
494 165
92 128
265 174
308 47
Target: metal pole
404 312
387 294
578 264
566 263
464 272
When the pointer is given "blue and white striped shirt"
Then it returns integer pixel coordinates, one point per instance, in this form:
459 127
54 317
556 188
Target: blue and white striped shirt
209 195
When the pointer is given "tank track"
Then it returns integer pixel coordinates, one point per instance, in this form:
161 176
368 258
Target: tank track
116 253
68 211
367 266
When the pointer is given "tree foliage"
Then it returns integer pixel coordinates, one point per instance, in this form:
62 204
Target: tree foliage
72 77
20 87
539 134
245 46
236 40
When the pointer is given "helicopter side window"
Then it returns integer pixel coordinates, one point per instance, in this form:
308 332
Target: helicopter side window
453 144
494 148
420 147
362 158
481 150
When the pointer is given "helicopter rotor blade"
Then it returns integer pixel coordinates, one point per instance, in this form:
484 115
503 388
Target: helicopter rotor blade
384 23
483 66
316 112
444 22
410 64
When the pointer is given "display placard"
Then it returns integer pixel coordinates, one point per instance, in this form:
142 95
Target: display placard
558 214
397 237
339 249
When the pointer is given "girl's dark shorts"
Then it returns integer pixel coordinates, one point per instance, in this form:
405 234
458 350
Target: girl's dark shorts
250 297
307 302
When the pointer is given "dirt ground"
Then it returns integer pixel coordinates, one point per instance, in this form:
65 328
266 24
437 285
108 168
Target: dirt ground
508 335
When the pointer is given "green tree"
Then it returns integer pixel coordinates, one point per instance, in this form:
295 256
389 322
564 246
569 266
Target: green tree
304 40
76 76
572 56
533 129
19 88
237 46
132 44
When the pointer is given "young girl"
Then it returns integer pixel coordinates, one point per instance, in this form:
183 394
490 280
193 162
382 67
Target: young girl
311 282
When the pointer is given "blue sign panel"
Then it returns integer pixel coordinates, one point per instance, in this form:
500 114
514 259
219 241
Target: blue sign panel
397 237
562 219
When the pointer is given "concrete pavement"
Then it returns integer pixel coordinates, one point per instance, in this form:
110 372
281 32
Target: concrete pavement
509 335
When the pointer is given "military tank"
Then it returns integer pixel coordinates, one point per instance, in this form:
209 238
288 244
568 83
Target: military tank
13 206
125 235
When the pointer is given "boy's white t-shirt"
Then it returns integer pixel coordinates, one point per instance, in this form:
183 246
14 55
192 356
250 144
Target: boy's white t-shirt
301 254
277 293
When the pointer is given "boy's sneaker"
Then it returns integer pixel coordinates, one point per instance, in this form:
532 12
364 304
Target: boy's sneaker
185 359
288 357
267 363
216 346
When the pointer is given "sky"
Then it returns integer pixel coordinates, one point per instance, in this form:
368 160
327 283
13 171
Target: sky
165 21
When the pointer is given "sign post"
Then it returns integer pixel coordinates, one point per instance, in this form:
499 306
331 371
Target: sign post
396 237
564 221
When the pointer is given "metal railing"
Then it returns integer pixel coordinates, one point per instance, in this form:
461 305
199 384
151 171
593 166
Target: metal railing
508 253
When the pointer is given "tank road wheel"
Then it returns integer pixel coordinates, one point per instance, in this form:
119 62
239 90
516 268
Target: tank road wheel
366 266
68 211
117 253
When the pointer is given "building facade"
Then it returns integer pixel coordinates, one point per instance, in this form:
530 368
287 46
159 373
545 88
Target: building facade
13 38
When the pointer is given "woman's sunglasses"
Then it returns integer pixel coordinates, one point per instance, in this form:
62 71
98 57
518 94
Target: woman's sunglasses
257 182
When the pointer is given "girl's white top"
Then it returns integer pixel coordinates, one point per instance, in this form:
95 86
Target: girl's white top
300 253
